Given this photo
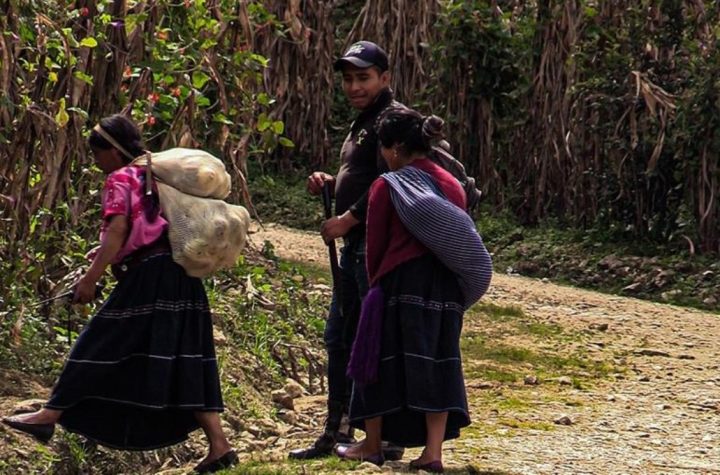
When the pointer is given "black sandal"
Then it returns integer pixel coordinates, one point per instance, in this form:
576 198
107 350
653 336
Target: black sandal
42 432
226 461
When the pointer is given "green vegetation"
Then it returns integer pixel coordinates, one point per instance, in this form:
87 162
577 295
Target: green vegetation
269 317
284 199
478 348
598 260
283 467
498 312
526 425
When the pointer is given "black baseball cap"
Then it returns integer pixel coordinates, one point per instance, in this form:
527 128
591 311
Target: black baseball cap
363 54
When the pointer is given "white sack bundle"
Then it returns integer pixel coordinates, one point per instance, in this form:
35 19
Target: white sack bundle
205 234
191 171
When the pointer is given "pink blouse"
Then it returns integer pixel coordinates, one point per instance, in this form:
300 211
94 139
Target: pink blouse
124 194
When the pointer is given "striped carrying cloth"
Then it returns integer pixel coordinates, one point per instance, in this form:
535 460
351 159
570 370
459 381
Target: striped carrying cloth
448 231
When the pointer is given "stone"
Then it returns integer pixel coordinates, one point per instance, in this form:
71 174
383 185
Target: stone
531 380
293 388
367 467
599 326
610 262
482 385
281 397
651 352
289 417
219 337
563 421
664 278
564 381
632 288
269 427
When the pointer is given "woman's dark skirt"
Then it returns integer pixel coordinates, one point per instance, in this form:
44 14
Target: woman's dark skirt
420 369
144 363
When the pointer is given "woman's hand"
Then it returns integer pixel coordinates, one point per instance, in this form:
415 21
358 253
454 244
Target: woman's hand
92 253
85 290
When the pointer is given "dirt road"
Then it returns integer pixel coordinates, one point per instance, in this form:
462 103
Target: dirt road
656 410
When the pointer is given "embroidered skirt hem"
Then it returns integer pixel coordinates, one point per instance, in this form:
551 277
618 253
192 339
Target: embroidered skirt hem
420 369
144 363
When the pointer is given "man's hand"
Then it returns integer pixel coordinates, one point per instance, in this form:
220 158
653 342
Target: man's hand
316 181
337 226
84 290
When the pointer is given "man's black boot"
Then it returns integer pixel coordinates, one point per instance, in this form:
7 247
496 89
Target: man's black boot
324 445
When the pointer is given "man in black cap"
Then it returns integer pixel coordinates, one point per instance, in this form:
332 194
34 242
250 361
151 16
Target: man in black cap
366 83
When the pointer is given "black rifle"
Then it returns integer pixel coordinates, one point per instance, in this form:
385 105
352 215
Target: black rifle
67 296
332 250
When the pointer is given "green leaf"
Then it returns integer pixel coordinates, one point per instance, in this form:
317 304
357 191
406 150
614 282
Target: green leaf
263 99
70 37
89 42
209 43
202 101
219 117
83 77
199 79
260 59
263 122
62 117
132 21
286 142
79 111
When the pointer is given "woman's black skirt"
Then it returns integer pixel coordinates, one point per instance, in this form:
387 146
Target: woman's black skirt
144 363
420 369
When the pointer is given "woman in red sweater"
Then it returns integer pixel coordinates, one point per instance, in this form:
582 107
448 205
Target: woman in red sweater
417 397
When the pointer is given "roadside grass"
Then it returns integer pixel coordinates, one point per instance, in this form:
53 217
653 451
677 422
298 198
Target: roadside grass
499 313
477 348
503 346
287 467
491 350
334 465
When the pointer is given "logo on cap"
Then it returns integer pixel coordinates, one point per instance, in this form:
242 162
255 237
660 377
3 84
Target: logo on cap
355 49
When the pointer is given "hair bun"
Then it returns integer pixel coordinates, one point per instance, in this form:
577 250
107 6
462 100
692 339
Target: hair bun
432 129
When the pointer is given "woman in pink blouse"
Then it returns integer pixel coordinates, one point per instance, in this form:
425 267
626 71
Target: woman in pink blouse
143 373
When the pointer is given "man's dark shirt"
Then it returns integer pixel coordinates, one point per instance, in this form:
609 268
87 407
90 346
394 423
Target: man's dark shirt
361 164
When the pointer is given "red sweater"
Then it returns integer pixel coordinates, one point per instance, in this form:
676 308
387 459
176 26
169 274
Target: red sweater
389 243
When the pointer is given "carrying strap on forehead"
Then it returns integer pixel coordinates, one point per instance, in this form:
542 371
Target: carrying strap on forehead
148 156
98 128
